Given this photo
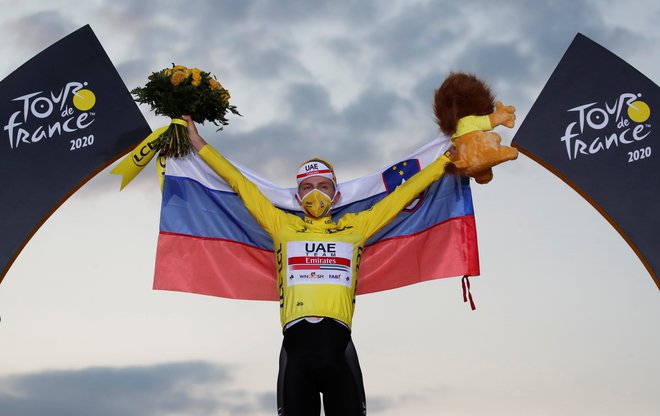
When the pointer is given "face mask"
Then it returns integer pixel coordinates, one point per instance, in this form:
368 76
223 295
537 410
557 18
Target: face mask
316 204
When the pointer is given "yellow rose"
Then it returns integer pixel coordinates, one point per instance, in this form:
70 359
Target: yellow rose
167 72
196 79
213 84
180 68
178 77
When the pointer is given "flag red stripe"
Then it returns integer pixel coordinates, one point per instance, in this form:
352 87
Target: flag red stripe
229 269
448 249
214 267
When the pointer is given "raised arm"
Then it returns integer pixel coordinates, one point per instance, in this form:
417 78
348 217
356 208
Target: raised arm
266 214
389 207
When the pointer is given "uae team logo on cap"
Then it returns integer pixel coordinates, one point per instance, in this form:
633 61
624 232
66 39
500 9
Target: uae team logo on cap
316 167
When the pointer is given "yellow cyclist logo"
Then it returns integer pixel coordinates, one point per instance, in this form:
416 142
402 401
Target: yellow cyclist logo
84 100
639 111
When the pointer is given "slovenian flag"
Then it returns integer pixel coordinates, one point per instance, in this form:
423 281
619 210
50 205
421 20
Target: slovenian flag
210 244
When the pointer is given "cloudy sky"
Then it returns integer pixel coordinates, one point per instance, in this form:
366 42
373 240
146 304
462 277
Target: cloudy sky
565 310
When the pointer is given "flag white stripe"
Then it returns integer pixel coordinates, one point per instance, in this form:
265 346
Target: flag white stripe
354 190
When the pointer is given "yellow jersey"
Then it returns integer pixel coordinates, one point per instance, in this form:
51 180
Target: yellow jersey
318 260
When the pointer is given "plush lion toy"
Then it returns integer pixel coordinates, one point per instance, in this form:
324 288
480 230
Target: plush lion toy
466 110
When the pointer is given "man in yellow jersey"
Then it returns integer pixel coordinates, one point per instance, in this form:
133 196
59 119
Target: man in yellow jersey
318 261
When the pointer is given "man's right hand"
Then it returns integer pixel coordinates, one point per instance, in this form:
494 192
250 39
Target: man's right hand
195 139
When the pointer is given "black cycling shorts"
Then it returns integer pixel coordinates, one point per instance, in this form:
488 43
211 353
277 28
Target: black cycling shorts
319 358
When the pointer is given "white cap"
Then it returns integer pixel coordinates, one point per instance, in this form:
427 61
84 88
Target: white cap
316 167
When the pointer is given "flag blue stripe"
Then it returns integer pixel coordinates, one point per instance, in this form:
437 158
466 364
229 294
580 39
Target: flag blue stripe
192 209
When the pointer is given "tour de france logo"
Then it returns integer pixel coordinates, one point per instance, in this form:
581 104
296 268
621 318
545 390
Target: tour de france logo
63 113
599 127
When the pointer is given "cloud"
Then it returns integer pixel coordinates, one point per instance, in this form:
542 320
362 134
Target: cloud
417 34
311 126
269 64
38 30
376 91
513 45
182 388
134 72
191 388
310 102
500 61
289 12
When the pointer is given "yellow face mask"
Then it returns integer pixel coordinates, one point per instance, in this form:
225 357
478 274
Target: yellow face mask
316 204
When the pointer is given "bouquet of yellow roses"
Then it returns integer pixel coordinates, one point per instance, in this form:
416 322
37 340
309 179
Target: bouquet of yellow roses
176 91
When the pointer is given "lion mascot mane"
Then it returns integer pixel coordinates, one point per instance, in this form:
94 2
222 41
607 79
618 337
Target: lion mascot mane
466 111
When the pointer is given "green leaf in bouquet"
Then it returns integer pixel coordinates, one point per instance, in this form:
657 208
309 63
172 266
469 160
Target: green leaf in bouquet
175 91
